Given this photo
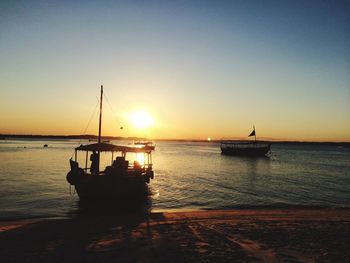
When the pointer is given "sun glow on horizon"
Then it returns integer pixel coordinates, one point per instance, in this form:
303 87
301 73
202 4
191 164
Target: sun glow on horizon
141 119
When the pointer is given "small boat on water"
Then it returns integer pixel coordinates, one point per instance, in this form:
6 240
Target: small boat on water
244 148
95 140
149 144
124 178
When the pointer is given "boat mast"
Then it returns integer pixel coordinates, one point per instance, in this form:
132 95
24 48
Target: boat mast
99 129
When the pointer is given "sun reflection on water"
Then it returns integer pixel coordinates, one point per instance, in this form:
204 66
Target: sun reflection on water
140 157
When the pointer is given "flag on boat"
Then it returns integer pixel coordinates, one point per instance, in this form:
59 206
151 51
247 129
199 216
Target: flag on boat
252 133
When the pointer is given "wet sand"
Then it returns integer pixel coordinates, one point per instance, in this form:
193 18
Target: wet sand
292 235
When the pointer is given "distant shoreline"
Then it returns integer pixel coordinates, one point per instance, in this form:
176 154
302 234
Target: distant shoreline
95 137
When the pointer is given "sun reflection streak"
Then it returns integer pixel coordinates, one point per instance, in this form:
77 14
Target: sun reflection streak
140 157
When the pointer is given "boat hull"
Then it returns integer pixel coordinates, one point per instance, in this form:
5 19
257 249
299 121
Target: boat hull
111 187
252 150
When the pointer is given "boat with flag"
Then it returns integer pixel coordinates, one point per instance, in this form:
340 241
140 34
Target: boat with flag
127 175
245 148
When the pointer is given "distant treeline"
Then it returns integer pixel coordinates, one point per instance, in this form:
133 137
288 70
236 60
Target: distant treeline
95 137
66 137
344 144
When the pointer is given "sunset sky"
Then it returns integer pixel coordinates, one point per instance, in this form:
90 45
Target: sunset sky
195 69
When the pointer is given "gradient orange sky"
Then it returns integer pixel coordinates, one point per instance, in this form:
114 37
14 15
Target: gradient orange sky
200 69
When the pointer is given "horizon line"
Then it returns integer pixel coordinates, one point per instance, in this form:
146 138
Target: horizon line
90 136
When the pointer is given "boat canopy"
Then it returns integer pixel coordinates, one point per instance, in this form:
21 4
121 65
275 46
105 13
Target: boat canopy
108 147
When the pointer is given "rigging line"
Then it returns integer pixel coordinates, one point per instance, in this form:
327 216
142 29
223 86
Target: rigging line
91 117
111 108
87 126
110 105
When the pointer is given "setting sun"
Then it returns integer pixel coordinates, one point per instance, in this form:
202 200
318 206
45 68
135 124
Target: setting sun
141 119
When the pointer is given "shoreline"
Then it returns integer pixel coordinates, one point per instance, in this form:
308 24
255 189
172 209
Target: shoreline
243 235
246 211
144 212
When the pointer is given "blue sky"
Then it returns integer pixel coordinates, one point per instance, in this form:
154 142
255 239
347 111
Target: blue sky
200 68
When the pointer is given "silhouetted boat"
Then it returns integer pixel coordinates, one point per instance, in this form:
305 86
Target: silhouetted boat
95 140
244 148
118 180
149 144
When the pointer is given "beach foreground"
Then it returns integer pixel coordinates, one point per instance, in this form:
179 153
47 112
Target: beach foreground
291 235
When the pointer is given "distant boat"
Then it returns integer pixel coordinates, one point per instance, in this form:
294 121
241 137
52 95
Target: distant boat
244 148
121 180
95 140
147 144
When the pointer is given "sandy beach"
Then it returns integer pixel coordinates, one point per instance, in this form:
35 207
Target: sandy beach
292 235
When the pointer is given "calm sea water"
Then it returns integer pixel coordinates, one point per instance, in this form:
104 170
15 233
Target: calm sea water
187 176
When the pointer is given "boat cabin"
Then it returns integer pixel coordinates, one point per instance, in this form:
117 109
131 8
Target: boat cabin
119 161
